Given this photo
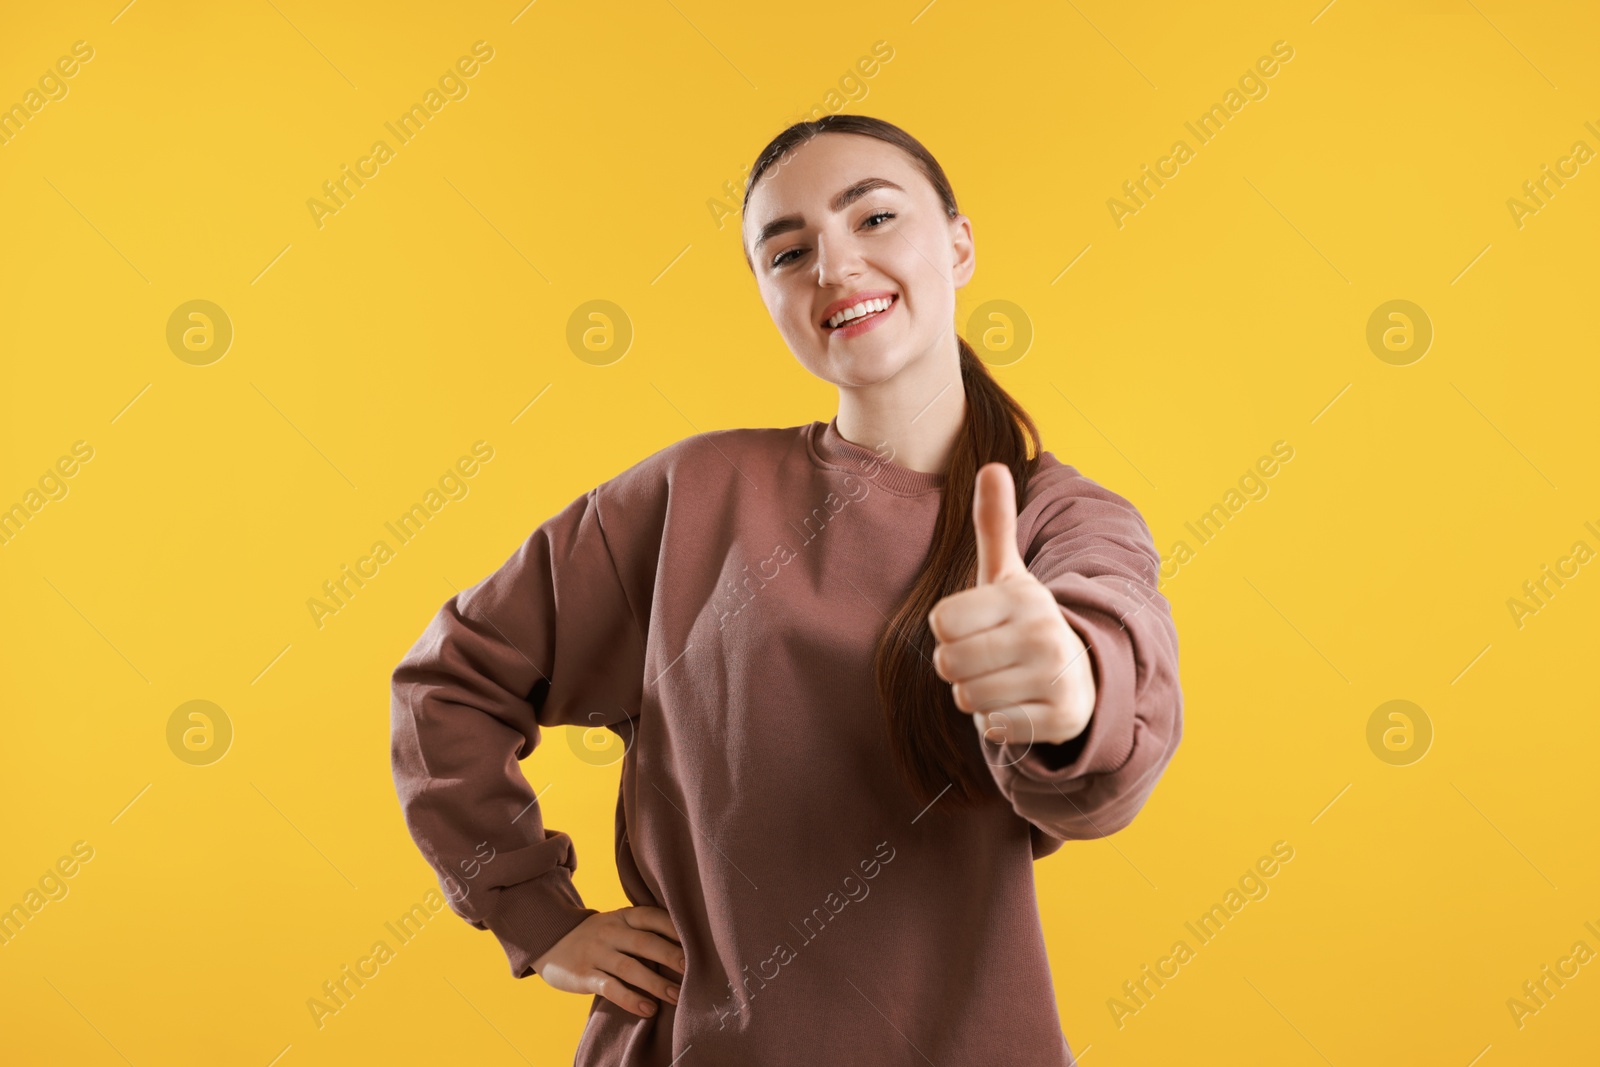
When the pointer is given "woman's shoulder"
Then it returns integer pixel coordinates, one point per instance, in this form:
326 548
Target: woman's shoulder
1056 489
704 459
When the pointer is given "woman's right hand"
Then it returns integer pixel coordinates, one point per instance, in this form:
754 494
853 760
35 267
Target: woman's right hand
598 956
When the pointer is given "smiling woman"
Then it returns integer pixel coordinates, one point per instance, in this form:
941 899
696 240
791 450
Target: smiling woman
970 661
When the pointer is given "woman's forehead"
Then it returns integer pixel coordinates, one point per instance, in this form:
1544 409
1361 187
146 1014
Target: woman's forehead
815 177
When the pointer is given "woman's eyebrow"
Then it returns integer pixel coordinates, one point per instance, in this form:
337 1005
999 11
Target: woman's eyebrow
841 200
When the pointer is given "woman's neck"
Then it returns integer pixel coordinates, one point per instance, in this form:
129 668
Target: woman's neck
919 412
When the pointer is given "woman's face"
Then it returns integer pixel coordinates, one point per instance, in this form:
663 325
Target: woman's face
815 254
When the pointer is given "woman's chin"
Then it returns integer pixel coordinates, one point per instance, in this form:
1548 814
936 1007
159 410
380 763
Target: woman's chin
857 369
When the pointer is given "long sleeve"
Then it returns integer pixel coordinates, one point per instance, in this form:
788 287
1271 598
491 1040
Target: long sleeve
548 639
1092 549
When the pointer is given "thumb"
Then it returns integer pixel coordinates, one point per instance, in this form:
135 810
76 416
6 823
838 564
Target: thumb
994 518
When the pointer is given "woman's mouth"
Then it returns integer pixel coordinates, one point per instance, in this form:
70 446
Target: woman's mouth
862 323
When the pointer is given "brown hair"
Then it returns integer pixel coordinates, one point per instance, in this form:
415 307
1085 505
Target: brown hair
933 741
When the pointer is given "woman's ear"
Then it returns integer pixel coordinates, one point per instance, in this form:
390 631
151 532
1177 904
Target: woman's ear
963 256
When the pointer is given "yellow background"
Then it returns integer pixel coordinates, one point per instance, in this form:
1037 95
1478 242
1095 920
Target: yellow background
1228 314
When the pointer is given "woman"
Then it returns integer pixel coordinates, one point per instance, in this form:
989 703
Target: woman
791 631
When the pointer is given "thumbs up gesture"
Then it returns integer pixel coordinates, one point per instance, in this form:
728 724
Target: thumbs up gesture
1013 661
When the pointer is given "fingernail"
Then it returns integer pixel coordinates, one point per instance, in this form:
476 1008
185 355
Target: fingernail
672 993
647 1008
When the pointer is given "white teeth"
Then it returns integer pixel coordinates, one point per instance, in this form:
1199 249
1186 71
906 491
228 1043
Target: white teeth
864 308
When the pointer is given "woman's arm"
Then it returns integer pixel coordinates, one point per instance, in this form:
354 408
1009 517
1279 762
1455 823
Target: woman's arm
548 639
1093 551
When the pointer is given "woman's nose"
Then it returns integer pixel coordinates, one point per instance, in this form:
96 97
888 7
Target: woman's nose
838 260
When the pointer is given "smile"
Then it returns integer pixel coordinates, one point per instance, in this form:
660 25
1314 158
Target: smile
861 323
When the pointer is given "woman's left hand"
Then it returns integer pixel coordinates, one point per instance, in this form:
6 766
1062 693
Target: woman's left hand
1013 661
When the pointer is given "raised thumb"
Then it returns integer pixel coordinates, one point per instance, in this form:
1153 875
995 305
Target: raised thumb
994 519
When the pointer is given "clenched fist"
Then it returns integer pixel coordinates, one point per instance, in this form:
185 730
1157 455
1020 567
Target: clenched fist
1013 661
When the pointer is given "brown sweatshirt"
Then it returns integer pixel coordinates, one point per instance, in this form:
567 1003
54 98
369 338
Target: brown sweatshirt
716 606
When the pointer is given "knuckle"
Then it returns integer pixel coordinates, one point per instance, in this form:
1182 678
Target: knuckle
1045 639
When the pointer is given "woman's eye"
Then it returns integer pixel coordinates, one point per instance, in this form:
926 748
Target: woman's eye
783 257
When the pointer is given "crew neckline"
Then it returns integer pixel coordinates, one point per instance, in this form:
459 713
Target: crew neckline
830 450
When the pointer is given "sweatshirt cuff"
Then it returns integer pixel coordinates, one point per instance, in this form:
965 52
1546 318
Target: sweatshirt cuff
1107 742
532 916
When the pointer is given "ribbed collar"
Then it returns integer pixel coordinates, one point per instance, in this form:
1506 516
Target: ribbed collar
830 450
